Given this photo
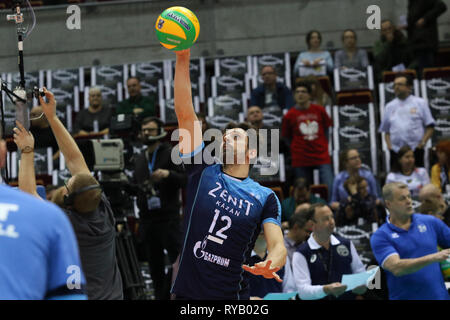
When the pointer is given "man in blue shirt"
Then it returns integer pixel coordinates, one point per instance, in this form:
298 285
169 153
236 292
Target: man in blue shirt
38 250
224 212
406 247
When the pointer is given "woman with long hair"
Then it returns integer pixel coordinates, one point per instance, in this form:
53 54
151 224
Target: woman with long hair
405 171
440 172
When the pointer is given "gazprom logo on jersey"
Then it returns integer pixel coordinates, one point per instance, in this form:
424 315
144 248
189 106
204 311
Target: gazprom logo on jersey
200 253
214 151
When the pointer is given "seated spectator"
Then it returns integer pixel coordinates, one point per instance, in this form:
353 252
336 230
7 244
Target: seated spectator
433 203
358 205
391 52
137 104
405 171
350 56
259 286
318 61
440 172
301 193
271 93
320 262
305 129
255 117
94 119
300 228
318 95
349 165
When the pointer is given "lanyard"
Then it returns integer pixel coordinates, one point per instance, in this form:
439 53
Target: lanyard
325 266
152 164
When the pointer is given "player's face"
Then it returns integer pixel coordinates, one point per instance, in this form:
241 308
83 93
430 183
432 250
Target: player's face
235 147
324 221
401 203
134 87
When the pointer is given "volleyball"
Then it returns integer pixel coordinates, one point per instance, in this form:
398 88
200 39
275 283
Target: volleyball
177 28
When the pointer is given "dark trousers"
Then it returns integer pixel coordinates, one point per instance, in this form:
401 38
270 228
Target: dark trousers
425 59
157 237
418 156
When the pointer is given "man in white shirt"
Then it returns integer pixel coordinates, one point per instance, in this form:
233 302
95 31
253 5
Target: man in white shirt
319 264
407 121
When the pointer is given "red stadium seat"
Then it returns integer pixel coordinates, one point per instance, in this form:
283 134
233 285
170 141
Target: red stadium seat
359 97
389 76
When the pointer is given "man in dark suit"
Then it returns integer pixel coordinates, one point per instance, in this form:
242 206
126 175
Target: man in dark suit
158 200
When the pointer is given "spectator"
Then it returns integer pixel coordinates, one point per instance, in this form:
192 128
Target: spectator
358 205
320 62
318 95
260 286
422 29
255 117
271 93
407 121
305 129
88 210
440 172
94 119
406 247
319 263
137 104
301 193
158 202
349 165
391 52
300 228
350 56
35 234
405 171
433 203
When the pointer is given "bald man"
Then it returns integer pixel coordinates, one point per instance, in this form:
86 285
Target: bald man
433 203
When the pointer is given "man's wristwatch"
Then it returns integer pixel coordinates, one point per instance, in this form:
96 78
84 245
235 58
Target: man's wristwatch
27 149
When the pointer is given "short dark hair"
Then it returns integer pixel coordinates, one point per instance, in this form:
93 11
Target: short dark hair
299 219
303 84
309 35
349 30
158 121
301 183
134 77
401 152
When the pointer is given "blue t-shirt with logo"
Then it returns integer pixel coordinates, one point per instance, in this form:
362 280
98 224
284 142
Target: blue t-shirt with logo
422 238
39 256
223 217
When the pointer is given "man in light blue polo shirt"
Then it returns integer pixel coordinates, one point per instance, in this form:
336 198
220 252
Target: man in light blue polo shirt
406 247
407 120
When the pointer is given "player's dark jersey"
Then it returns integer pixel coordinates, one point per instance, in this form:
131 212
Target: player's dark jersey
223 217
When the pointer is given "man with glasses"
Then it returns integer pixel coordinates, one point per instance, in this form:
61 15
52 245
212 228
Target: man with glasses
158 201
271 93
407 121
305 129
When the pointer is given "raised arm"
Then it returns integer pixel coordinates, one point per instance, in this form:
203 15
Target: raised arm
25 143
74 158
190 127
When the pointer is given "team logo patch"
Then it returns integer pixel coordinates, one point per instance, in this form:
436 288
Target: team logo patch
422 228
313 258
395 235
342 251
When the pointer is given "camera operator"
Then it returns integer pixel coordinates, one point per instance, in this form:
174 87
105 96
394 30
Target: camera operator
86 207
160 181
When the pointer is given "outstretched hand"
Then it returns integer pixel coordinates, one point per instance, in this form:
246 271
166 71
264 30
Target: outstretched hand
23 138
49 107
263 269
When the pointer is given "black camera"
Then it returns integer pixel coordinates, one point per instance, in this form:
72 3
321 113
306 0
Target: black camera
38 92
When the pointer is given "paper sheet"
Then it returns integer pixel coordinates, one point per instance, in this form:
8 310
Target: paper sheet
280 296
353 281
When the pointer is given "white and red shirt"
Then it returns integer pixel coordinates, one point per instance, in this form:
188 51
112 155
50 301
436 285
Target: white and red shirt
307 129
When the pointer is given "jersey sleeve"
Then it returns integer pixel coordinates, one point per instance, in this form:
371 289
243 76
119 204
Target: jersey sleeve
66 280
382 248
272 210
194 161
442 233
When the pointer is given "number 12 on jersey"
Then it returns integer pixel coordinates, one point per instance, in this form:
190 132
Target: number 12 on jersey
219 237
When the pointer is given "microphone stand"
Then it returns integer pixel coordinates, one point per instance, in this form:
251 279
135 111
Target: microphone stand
18 18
